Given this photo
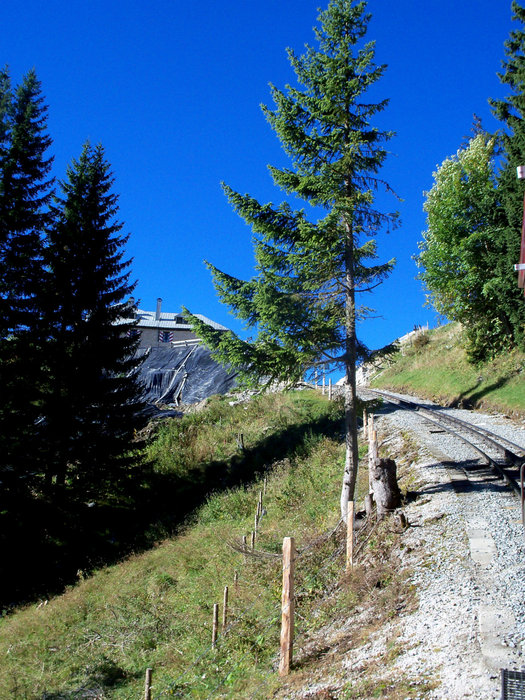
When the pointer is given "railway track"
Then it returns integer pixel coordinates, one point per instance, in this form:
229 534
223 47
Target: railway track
509 463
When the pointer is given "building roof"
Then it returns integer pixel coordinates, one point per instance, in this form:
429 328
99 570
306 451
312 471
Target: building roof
147 319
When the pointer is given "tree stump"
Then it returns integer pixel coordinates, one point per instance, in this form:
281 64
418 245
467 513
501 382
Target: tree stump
384 486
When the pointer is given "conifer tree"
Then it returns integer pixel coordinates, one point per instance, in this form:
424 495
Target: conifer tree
93 403
511 112
302 299
25 192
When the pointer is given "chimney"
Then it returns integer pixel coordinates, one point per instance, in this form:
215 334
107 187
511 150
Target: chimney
157 312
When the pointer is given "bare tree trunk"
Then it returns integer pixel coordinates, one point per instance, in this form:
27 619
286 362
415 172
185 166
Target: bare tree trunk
351 458
384 483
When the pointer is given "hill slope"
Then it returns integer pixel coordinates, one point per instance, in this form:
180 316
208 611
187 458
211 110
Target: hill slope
432 364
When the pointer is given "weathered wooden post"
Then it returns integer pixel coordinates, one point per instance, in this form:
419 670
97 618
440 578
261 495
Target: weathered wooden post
372 459
287 607
350 537
330 389
236 581
147 687
225 609
215 625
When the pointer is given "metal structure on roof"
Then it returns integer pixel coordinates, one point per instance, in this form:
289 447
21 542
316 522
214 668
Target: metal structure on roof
149 319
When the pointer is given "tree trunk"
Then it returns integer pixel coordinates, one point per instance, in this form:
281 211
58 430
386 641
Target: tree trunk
384 485
351 458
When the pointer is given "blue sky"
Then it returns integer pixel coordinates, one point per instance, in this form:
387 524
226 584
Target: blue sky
172 91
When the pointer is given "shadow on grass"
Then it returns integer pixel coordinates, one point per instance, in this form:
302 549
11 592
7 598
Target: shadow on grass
47 546
470 397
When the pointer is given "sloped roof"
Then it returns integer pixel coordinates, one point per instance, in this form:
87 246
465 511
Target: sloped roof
146 319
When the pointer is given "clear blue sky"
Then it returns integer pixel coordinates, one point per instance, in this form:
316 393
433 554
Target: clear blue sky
172 90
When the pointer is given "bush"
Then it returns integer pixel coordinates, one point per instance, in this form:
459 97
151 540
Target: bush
421 340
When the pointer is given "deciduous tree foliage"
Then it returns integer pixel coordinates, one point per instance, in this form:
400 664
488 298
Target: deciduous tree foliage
474 220
465 259
511 112
302 299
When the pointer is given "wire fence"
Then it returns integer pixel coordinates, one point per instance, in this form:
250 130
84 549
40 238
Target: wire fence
212 651
319 581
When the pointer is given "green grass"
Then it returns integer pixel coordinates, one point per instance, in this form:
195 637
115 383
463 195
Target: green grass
155 608
438 370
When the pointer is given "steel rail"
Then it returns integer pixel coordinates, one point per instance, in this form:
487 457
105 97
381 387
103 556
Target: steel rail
485 435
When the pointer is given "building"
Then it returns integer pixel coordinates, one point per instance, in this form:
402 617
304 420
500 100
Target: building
161 328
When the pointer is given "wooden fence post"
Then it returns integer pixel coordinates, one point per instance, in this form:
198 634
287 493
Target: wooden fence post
350 536
370 426
215 625
225 609
147 687
330 389
288 606
253 540
236 581
372 454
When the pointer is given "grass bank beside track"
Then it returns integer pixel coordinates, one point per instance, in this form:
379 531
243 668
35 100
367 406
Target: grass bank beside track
434 366
155 609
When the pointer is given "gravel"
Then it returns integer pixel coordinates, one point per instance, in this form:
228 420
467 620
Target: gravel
447 634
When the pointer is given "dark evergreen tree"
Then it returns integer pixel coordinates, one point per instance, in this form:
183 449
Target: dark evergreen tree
93 406
511 111
25 192
302 300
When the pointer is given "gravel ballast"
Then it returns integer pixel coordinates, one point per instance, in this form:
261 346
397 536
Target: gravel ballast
471 616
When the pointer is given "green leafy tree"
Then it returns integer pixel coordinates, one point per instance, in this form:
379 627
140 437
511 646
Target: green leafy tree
474 220
25 192
302 299
464 257
511 112
92 406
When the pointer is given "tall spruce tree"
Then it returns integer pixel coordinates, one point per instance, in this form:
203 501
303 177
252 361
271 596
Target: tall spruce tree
92 407
511 112
302 300
25 192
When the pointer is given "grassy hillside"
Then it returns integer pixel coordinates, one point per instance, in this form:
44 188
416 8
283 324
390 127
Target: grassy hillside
434 366
155 609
